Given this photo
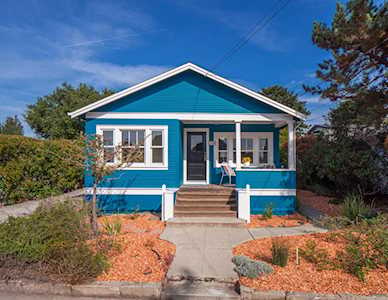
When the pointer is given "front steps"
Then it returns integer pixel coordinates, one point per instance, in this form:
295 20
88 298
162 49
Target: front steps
214 204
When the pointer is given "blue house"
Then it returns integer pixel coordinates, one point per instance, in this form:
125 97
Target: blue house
188 123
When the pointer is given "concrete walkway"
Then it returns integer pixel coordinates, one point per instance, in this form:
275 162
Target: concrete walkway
28 207
205 252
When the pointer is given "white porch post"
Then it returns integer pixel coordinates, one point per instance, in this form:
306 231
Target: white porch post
291 146
238 144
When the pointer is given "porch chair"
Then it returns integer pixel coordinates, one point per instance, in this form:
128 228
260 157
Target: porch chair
226 170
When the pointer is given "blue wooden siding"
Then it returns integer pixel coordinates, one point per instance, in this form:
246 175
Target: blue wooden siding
266 179
215 173
282 205
114 204
188 92
146 178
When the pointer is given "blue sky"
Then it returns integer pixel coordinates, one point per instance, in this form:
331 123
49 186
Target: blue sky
116 44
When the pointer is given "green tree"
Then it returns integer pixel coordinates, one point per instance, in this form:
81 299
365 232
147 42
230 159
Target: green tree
48 116
290 99
11 125
356 72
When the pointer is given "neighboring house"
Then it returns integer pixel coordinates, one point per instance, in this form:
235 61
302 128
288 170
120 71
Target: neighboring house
188 121
320 130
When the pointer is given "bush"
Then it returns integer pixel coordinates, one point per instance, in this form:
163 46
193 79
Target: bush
251 268
268 212
318 256
113 227
31 168
55 237
366 247
339 166
354 208
280 250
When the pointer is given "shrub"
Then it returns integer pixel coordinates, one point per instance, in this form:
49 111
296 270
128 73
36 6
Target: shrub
113 226
251 268
31 168
366 247
318 256
280 250
339 166
55 237
354 208
268 212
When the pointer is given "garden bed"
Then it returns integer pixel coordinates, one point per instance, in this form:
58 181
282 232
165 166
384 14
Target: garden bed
305 277
141 255
277 221
319 203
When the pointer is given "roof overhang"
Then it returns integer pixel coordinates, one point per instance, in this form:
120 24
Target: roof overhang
176 71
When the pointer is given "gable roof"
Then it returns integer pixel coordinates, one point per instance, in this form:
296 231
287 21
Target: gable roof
178 70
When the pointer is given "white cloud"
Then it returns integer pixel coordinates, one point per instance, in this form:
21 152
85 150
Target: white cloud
314 99
108 73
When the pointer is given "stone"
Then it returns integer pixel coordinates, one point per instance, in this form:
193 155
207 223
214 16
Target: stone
141 290
95 290
311 296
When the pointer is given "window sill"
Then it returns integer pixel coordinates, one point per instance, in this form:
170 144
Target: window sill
262 170
143 168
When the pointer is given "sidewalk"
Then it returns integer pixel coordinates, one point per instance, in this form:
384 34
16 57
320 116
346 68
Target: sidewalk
206 252
28 207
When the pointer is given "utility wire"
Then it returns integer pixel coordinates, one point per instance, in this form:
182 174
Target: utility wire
259 25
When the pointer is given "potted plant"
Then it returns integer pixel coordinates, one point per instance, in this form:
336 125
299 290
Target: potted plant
246 160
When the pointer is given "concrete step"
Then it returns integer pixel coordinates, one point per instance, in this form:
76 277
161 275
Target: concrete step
205 207
205 213
199 195
208 200
203 221
192 290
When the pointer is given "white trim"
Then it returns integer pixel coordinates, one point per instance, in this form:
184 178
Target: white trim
254 135
271 192
148 164
185 131
264 169
291 145
128 191
187 116
180 69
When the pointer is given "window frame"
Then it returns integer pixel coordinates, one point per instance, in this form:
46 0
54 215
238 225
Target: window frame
230 136
147 165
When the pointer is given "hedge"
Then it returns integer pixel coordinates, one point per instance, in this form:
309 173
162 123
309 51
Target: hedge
32 168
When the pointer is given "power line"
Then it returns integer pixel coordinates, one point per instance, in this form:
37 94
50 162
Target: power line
259 25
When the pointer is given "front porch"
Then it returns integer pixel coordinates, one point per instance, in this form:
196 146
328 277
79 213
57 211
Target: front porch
251 149
243 145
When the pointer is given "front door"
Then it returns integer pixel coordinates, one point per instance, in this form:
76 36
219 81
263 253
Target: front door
196 156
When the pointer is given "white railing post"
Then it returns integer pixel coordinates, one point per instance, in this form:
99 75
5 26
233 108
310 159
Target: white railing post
238 145
291 145
244 204
167 204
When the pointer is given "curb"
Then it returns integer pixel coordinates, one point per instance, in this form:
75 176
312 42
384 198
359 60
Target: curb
248 293
112 289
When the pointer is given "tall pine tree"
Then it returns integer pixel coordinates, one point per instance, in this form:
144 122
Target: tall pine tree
356 73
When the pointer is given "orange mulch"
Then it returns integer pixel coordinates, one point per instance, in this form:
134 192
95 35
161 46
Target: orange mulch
142 255
305 277
320 203
277 221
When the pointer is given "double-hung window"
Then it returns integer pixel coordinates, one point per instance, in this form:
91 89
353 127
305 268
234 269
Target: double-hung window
132 142
108 143
157 147
140 146
256 148
263 150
